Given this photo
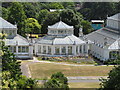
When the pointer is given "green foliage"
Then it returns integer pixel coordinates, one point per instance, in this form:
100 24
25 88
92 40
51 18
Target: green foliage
72 18
55 5
68 5
97 10
58 80
41 15
50 19
31 9
11 72
113 80
87 28
32 26
4 12
17 15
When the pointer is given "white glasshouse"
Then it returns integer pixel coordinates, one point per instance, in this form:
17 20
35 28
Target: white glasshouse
20 46
60 41
106 41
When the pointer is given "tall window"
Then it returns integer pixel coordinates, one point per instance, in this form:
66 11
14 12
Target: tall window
63 50
77 49
44 49
49 50
39 49
70 50
57 50
80 48
23 49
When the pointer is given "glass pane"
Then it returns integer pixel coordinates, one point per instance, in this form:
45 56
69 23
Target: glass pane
80 49
63 50
77 49
23 48
57 51
49 50
19 48
27 49
44 49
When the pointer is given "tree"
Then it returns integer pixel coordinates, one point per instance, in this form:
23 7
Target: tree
68 5
32 26
11 72
42 15
68 16
87 28
113 80
31 9
5 12
58 80
17 15
97 10
72 18
50 19
55 5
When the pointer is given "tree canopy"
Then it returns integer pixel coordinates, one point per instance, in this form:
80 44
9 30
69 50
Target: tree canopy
17 15
57 80
32 26
11 73
113 80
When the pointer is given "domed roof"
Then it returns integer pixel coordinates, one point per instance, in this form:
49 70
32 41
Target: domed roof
60 25
64 40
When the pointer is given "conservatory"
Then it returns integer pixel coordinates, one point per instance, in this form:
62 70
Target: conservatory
60 41
17 44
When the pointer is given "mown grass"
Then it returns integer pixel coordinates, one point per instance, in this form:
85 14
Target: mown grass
45 70
84 85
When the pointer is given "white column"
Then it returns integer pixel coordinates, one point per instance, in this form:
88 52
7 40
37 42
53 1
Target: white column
78 49
16 50
60 50
86 48
82 50
36 49
41 49
46 49
30 51
74 49
52 50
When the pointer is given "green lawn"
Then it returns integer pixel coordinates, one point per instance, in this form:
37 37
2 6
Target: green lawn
84 85
44 70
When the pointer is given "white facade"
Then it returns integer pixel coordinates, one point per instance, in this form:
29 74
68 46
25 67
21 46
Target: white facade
60 41
106 41
17 44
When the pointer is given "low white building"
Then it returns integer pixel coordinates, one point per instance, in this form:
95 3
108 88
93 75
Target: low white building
60 41
106 41
19 45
